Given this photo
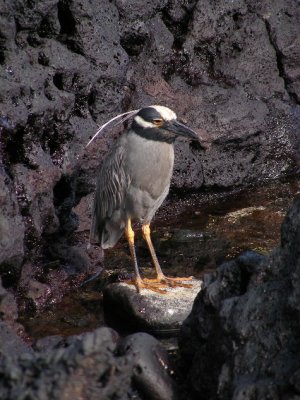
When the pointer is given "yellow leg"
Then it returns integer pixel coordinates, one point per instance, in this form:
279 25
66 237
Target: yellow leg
138 281
161 278
130 238
147 236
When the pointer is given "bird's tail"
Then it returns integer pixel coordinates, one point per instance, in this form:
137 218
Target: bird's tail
111 233
107 233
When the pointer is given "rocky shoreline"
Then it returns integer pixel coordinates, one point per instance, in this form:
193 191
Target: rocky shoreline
239 342
231 70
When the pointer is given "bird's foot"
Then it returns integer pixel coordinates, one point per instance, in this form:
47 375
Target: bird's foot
175 282
160 283
151 284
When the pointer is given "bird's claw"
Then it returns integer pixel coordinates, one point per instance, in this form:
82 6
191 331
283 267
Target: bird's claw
177 282
159 285
165 282
149 285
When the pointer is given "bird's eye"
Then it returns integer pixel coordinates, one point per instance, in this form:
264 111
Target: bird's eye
157 121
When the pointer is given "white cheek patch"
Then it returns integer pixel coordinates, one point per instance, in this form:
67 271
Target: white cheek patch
141 122
165 113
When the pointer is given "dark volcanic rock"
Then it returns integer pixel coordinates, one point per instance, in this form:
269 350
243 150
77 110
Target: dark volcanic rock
151 371
11 231
161 314
8 305
240 341
10 343
91 366
230 69
219 79
9 327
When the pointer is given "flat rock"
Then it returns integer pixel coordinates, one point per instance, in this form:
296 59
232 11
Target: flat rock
160 314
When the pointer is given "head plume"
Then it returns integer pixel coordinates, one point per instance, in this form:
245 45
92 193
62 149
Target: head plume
118 119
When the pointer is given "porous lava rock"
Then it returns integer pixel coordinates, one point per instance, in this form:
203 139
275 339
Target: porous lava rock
9 327
11 231
152 371
230 69
91 366
240 340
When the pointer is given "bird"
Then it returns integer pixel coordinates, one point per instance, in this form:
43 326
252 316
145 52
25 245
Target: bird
133 182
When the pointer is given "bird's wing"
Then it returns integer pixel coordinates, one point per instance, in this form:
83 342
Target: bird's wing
111 187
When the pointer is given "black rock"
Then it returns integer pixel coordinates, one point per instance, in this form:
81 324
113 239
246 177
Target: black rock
11 232
11 345
240 340
90 366
151 366
230 68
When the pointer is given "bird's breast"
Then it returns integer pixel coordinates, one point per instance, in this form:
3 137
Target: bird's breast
149 164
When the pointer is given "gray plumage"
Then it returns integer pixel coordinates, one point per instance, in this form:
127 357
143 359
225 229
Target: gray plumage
134 181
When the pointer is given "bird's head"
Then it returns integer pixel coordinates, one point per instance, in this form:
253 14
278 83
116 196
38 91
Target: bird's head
154 122
160 123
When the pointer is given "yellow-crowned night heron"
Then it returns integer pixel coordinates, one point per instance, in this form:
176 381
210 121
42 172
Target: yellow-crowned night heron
133 182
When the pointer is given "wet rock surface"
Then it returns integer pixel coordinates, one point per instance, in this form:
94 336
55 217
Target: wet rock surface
191 236
239 341
148 311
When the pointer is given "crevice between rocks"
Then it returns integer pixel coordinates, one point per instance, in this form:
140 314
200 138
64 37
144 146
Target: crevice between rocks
279 60
65 17
179 29
68 27
2 49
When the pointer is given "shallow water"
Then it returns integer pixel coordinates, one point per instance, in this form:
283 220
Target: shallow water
192 235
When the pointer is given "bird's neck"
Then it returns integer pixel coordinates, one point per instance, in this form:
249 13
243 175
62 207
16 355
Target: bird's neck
156 134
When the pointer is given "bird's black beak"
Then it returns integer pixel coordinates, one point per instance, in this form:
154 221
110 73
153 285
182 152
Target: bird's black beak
180 129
